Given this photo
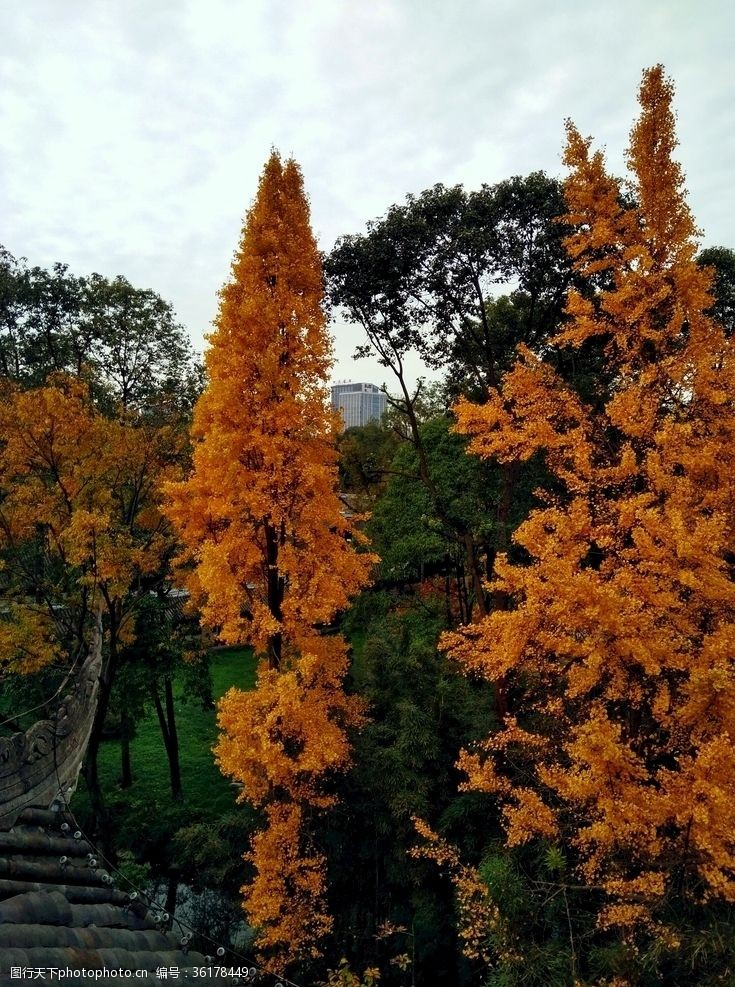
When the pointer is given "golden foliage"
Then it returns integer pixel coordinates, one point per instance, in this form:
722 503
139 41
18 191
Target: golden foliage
262 496
82 489
269 555
621 639
344 977
27 641
477 914
284 900
289 733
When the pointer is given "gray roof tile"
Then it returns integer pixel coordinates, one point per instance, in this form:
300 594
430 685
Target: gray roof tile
64 915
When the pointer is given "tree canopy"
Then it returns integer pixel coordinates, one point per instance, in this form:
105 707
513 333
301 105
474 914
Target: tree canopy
124 341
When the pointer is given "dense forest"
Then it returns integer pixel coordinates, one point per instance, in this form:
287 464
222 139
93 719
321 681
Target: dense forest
445 699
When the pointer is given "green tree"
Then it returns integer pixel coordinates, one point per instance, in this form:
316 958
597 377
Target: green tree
421 710
722 260
421 278
413 537
165 645
365 456
139 354
124 341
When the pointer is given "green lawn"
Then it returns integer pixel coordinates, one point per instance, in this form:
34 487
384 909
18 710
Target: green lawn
206 791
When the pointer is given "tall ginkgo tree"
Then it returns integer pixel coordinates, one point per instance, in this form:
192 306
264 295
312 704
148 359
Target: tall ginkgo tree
619 647
271 557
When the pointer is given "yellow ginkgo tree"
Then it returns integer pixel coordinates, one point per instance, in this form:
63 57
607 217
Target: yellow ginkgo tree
619 648
271 558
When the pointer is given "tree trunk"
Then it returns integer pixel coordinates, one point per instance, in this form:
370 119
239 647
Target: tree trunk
275 594
464 612
173 736
448 594
458 530
167 723
474 573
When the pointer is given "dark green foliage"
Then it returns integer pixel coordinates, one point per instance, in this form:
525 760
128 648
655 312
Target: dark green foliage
165 646
422 533
406 529
533 939
421 277
548 934
208 860
210 854
705 955
365 458
421 712
722 260
24 699
125 341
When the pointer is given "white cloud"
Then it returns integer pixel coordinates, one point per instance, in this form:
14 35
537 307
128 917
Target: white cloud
132 135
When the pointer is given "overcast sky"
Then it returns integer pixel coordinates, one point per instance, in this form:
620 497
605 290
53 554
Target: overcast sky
133 132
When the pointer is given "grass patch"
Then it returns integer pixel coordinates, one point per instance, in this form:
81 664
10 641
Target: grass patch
206 793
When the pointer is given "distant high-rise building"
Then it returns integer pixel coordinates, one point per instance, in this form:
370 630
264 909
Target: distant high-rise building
358 403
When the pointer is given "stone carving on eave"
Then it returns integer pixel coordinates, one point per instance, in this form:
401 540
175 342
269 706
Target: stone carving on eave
38 766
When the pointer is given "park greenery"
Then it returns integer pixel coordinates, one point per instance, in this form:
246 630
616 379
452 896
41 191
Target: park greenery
445 699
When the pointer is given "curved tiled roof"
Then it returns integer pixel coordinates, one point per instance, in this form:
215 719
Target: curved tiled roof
58 908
